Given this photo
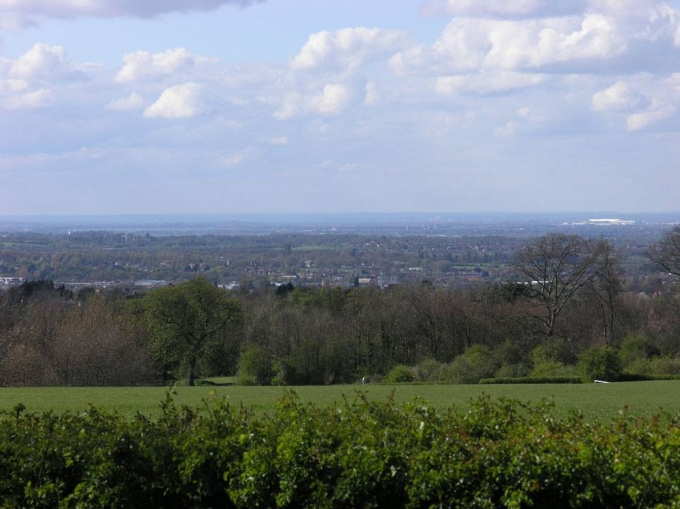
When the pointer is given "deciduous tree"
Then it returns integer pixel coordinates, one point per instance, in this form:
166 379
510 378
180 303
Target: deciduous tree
556 267
666 252
186 319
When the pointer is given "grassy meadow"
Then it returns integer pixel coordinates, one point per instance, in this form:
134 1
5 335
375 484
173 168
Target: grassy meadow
595 401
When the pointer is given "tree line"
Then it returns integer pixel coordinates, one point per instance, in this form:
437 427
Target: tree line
565 300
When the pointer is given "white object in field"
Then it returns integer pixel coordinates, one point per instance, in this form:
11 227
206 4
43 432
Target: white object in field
601 382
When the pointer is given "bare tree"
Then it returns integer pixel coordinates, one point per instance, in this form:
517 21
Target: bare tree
606 288
666 252
556 267
97 345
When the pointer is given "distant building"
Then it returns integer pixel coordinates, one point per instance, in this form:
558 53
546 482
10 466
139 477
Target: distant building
11 281
608 222
150 283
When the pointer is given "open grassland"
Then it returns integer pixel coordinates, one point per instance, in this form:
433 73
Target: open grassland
595 401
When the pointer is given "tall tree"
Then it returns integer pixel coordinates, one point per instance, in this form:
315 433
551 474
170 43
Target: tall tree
666 252
184 320
606 288
556 267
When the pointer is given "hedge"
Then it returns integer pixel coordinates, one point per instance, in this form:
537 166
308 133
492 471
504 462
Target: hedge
634 377
499 453
533 380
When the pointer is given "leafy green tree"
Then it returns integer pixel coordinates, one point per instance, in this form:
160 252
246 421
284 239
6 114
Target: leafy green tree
185 320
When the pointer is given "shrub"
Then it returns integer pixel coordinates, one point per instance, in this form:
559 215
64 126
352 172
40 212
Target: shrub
400 374
509 353
512 371
254 367
429 370
632 377
476 363
658 366
551 368
553 349
552 359
636 347
599 364
497 453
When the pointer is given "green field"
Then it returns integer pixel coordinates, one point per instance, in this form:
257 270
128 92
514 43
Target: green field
595 401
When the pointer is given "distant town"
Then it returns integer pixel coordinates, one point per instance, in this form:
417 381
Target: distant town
245 252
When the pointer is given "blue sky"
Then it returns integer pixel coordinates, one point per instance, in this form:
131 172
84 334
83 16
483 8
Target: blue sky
219 106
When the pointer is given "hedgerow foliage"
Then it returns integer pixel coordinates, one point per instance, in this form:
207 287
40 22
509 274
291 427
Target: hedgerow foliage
360 453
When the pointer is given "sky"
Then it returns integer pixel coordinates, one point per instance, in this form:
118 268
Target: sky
338 106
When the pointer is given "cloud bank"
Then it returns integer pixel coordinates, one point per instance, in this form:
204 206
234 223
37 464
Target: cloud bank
21 13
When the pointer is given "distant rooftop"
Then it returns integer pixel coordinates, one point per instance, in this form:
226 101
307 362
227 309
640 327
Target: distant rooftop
611 221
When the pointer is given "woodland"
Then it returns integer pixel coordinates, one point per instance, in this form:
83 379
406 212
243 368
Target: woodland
569 308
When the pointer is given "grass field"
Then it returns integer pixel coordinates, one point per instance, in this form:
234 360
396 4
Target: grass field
595 401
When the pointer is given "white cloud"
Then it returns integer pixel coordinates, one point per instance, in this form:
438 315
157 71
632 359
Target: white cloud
12 86
507 131
643 21
674 81
333 99
524 118
347 49
487 82
16 94
235 159
132 102
372 96
645 99
282 140
19 13
643 10
28 100
618 97
42 61
472 44
180 101
290 107
142 65
655 114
